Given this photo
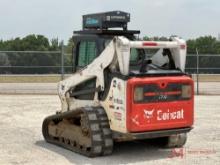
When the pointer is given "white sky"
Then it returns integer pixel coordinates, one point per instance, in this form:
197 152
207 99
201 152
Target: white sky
53 18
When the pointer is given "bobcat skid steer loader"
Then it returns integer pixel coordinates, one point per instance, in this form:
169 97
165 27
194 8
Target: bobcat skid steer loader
121 89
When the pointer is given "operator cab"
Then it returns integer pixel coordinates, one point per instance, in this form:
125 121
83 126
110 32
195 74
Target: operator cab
98 30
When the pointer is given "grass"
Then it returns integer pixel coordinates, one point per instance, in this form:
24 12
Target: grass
29 78
56 78
208 77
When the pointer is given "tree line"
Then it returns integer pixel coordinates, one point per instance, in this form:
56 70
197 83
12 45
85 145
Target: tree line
28 62
205 45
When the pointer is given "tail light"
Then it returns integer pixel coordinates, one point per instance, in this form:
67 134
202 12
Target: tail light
138 94
186 91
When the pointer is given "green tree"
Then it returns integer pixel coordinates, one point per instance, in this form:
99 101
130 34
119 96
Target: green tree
155 38
31 43
205 45
35 42
55 45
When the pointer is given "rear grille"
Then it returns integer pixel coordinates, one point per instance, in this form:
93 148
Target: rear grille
158 93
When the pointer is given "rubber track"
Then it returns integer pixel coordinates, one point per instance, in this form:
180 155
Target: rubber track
106 132
101 138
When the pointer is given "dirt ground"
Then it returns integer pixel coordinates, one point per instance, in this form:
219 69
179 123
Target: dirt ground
21 141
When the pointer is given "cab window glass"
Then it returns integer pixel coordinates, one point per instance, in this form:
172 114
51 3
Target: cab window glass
134 54
87 53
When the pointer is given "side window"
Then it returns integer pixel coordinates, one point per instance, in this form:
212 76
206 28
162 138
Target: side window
87 53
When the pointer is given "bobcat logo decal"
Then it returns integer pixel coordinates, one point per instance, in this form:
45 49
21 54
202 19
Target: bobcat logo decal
148 113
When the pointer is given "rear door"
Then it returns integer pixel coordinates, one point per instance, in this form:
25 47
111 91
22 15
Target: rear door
159 103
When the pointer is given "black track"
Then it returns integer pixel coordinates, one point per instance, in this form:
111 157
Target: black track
101 138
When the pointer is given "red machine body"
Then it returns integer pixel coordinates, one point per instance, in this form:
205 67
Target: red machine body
163 106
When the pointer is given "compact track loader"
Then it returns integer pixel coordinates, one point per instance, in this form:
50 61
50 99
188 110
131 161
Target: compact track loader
121 89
